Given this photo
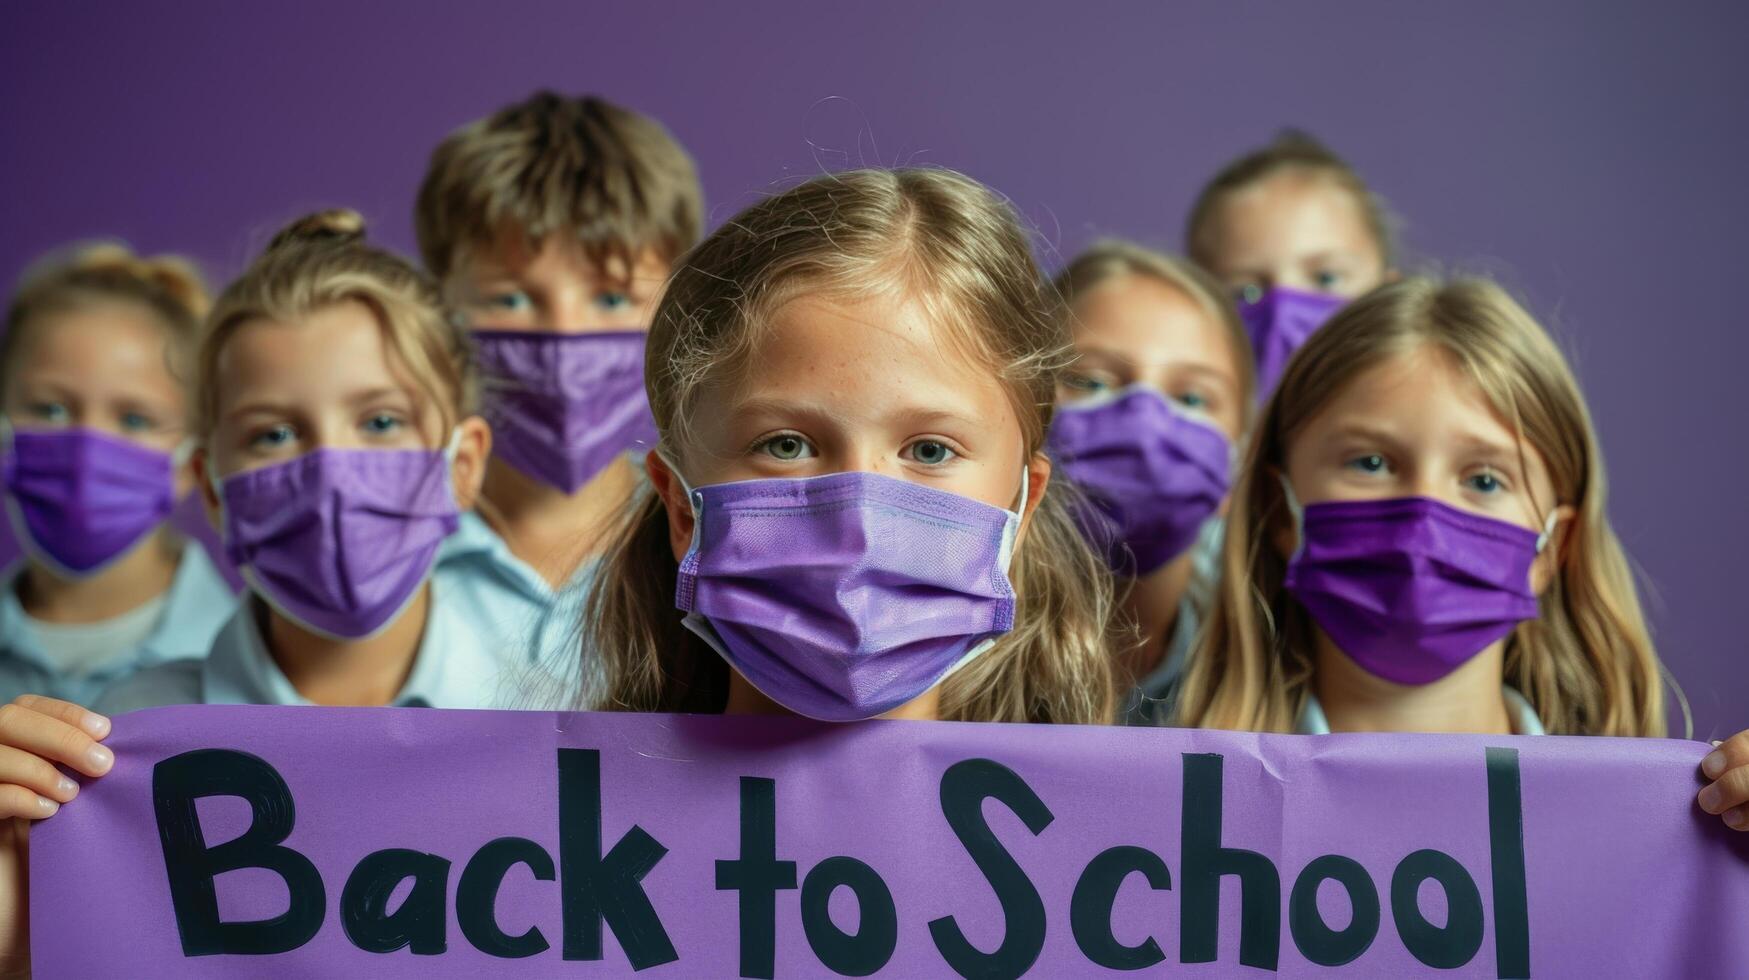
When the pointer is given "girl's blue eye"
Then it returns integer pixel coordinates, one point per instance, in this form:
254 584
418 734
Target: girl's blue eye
1484 483
49 412
382 423
510 301
1372 463
1327 281
1191 399
787 447
273 438
613 301
1082 382
1249 293
929 452
135 422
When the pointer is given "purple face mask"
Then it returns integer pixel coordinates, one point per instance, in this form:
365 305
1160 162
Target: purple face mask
1151 475
340 540
1411 588
79 499
842 597
564 405
1279 323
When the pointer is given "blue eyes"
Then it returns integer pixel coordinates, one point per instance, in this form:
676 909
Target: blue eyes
1082 382
786 447
510 301
930 453
49 412
1484 483
1327 281
520 302
1191 399
274 437
1373 463
613 302
382 424
135 422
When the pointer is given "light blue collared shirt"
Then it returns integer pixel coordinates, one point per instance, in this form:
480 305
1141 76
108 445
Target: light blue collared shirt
1155 697
454 668
197 604
1524 719
514 609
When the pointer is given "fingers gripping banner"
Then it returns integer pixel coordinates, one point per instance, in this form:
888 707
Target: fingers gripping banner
312 842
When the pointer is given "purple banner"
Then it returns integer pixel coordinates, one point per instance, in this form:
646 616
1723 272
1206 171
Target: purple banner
305 842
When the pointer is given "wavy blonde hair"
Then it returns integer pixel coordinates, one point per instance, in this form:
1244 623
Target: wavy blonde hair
1586 663
322 260
954 247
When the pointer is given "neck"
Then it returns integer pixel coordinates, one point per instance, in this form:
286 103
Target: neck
1152 603
551 530
1468 700
137 578
354 673
745 699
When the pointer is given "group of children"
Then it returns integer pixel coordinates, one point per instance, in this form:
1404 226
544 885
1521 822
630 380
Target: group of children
850 456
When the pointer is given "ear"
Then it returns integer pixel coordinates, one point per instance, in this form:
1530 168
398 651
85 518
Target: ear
1038 480
198 465
1554 553
184 477
674 500
473 446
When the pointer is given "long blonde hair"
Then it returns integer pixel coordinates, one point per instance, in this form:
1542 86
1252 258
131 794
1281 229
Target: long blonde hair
953 246
321 260
1586 663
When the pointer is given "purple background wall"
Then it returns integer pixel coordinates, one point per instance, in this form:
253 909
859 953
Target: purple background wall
1591 157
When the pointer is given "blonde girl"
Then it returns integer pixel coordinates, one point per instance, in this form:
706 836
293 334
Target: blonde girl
94 374
1148 415
852 382
1293 232
1418 542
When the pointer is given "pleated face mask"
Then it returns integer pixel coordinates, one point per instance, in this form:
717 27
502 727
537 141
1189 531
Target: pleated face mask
80 499
562 406
1411 588
1279 321
1149 475
845 596
339 541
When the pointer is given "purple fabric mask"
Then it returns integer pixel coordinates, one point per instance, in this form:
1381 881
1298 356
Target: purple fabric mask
1279 322
340 540
564 405
1150 475
1411 588
842 597
79 499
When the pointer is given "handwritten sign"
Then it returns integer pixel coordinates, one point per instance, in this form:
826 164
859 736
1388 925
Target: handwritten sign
293 842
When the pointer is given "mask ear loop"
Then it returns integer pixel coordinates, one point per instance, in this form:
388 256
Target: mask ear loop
1548 531
1299 513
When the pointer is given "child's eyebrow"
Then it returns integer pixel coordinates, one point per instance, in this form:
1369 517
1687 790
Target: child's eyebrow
379 394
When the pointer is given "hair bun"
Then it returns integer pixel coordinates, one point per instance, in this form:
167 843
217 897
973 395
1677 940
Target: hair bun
336 226
173 278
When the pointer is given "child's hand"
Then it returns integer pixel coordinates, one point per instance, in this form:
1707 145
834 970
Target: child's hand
1728 793
36 733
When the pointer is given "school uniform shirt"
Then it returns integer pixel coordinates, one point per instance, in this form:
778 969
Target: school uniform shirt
453 668
507 601
1524 719
1152 700
76 662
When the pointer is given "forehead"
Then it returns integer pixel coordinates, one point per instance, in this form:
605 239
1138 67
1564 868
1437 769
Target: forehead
1424 389
102 341
335 348
1151 322
561 254
1292 207
870 349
